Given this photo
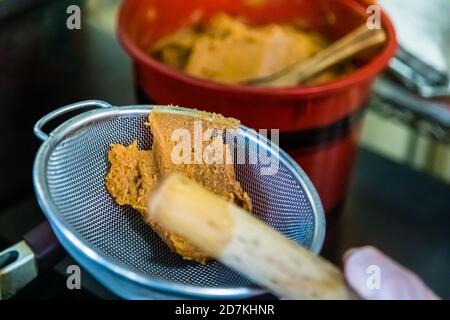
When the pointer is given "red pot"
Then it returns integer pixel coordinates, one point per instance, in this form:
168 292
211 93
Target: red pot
319 124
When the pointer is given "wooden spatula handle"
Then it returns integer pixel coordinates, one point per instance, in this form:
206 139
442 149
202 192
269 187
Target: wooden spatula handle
243 242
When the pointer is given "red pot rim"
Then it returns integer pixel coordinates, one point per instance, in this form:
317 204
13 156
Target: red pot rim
368 71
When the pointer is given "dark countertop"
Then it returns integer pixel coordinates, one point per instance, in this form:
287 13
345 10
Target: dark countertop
44 66
404 213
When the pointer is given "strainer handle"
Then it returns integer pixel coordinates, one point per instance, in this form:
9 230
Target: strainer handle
37 253
63 110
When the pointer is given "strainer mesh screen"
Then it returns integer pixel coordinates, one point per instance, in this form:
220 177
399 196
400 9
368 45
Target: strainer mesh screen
76 172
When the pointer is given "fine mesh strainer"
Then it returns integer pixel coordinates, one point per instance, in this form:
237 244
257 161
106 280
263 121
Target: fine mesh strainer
114 244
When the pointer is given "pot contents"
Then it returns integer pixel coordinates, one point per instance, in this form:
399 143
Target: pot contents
134 173
230 51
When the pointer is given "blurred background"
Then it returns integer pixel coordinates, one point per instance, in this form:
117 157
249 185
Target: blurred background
399 194
406 136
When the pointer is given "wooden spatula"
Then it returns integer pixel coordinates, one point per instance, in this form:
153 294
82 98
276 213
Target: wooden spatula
244 243
358 40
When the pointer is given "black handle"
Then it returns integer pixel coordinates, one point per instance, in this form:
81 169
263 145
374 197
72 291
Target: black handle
45 246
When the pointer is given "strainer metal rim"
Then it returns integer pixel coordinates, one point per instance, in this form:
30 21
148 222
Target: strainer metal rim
121 269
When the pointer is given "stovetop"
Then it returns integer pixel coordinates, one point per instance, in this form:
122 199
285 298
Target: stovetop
44 66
